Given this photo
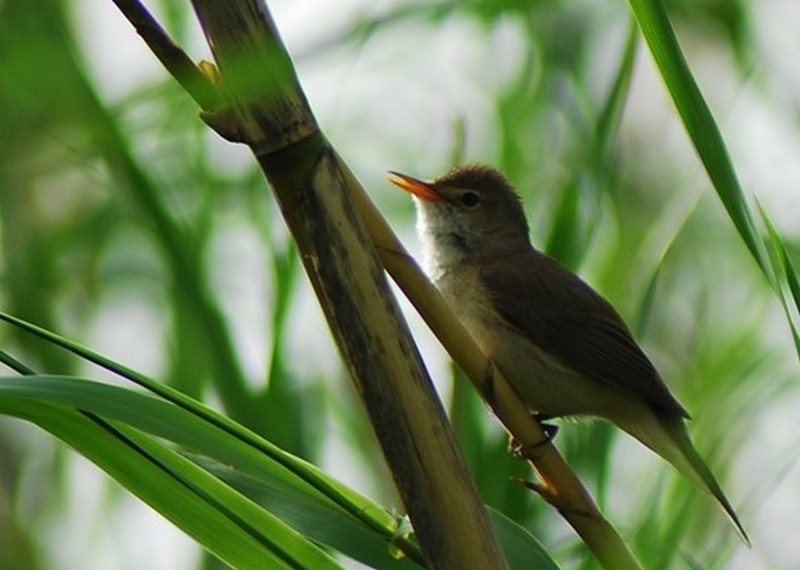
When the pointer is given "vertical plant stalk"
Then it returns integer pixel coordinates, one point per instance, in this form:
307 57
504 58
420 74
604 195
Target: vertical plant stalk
274 119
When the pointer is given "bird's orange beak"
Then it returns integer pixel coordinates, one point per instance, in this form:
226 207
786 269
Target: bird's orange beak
417 187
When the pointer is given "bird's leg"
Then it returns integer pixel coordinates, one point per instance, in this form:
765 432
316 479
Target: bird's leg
550 430
526 450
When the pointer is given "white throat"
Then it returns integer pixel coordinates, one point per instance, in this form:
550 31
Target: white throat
441 235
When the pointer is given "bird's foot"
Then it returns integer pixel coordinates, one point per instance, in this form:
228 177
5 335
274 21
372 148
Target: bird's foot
526 450
549 430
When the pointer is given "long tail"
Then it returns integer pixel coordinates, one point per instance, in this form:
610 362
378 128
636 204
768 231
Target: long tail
698 470
669 438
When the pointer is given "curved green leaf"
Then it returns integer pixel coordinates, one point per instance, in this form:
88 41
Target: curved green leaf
698 120
285 494
222 520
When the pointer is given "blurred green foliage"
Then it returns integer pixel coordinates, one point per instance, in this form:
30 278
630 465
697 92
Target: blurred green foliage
114 209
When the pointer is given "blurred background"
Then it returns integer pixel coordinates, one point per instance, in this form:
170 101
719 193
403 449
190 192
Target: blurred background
126 224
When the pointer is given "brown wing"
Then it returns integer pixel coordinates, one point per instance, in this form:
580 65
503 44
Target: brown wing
564 316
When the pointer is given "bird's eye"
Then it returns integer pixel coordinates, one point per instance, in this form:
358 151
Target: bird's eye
470 199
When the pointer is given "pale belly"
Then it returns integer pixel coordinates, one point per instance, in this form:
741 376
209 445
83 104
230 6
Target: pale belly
545 385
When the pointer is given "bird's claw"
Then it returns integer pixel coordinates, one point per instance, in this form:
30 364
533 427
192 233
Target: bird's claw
526 450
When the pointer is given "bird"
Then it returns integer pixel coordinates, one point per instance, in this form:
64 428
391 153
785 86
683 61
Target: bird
563 348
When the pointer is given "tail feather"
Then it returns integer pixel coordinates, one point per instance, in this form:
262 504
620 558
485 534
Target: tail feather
699 471
669 438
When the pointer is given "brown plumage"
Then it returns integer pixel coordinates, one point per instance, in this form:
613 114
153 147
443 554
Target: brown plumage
564 348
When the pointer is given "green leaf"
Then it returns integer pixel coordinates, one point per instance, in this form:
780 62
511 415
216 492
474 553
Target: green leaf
523 551
787 272
698 120
705 135
372 515
290 488
220 519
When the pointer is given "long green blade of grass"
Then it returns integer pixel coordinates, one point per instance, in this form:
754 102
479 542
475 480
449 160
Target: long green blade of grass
370 514
220 519
707 139
282 492
698 120
133 417
787 271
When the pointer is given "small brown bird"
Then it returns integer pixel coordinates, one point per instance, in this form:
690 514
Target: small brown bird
563 348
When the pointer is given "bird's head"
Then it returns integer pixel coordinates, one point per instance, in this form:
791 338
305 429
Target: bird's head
470 213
